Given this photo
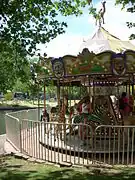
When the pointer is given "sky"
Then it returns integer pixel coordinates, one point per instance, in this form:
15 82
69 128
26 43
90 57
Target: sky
83 27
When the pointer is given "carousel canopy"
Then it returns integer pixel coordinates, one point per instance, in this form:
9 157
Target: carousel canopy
103 40
103 54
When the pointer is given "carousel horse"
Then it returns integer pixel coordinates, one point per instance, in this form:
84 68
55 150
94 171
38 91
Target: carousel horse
63 115
82 110
100 115
59 114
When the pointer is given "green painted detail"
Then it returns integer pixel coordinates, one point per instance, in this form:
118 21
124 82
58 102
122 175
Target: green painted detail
86 68
97 68
46 71
84 64
75 71
92 117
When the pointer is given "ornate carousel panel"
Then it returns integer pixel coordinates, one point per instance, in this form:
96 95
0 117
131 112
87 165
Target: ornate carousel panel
87 63
130 60
107 62
118 63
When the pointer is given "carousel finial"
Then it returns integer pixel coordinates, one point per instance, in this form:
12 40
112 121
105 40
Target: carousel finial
45 54
100 14
89 1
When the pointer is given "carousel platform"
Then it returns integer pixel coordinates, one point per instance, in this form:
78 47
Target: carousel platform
73 145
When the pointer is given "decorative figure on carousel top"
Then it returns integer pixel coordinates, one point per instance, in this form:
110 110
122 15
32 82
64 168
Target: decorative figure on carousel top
89 2
100 15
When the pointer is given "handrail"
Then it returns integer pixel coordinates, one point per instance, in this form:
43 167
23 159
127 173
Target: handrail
115 126
12 117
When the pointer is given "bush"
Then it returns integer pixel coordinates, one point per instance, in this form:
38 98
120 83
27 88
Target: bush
8 96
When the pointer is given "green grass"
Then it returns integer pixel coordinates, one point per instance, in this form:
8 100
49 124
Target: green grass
13 169
28 103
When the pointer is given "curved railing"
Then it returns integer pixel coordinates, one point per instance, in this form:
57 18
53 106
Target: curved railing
13 122
71 143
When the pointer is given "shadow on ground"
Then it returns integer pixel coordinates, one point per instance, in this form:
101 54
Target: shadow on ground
20 171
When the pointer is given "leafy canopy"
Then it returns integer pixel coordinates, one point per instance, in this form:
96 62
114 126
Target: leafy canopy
129 5
12 67
29 22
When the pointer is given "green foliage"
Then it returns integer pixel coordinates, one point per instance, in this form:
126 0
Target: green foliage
12 67
21 86
94 13
34 89
30 22
129 5
7 71
23 25
8 96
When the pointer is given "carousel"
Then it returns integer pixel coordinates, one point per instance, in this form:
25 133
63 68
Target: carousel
88 86
99 79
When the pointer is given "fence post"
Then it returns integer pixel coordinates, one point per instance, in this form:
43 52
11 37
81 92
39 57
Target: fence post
20 129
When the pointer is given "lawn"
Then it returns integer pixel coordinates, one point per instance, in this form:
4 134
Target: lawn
13 169
30 103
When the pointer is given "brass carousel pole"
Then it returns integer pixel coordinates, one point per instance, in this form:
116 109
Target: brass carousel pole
58 92
44 96
38 103
129 91
133 93
132 85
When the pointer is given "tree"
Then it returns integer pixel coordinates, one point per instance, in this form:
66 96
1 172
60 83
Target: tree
30 22
21 86
13 67
7 73
130 7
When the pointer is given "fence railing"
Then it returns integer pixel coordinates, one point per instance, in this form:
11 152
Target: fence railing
32 114
13 125
115 144
13 132
57 142
71 143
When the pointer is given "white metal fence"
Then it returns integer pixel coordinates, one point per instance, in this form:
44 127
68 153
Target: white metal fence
71 143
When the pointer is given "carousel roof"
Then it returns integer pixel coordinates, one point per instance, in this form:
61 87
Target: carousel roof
103 54
103 40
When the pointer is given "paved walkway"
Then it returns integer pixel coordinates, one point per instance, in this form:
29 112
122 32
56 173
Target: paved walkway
2 142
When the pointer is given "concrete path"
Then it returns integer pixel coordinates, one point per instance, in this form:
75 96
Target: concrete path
2 142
